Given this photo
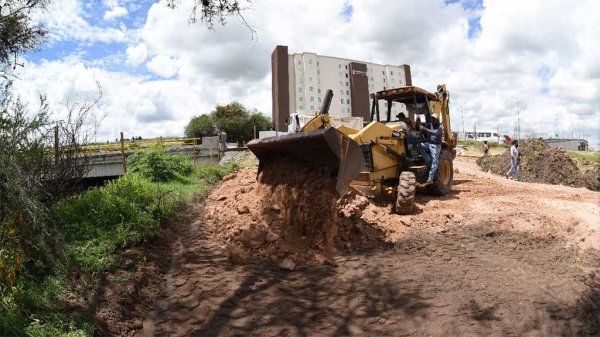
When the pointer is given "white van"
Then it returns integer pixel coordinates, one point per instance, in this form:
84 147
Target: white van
480 136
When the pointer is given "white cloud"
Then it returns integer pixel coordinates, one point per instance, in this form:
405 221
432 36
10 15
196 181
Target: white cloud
136 55
66 20
486 75
163 66
115 12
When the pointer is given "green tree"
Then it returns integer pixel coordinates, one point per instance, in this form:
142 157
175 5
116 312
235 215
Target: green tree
19 33
233 119
259 121
201 126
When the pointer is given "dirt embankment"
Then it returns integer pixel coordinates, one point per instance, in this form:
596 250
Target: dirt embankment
292 213
542 164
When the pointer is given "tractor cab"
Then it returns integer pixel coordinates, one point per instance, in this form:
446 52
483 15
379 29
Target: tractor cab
407 108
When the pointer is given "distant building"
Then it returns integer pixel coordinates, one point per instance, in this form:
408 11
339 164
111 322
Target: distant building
573 144
300 81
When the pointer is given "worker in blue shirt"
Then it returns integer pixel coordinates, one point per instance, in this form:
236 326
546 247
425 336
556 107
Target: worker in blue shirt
435 135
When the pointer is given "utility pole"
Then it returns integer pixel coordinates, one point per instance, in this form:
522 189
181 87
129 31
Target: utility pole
56 144
518 122
123 158
462 121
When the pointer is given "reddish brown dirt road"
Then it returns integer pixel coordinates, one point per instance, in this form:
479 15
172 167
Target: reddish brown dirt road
494 258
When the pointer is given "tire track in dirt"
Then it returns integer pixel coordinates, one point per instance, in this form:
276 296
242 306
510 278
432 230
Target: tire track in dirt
474 280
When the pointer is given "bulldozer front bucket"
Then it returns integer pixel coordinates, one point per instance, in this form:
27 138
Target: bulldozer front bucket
327 147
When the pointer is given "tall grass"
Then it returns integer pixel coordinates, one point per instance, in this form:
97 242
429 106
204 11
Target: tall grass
94 227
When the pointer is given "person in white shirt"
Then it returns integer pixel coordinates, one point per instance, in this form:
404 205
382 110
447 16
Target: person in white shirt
515 161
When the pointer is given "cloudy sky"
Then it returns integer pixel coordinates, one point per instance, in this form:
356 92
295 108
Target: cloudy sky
157 70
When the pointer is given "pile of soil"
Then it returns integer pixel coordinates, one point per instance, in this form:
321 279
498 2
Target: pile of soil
542 164
291 213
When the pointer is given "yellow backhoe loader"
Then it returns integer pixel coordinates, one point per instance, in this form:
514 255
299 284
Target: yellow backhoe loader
383 159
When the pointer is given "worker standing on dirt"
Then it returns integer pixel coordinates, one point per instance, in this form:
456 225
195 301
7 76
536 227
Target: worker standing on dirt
515 161
486 148
435 135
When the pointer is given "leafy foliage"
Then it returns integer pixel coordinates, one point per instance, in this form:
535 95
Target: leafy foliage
98 222
18 31
201 126
233 119
159 166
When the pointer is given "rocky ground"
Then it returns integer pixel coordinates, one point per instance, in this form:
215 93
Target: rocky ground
494 258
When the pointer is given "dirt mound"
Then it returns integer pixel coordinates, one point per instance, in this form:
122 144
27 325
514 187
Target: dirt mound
292 212
542 164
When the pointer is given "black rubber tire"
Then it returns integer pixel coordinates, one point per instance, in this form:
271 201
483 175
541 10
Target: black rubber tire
442 182
405 198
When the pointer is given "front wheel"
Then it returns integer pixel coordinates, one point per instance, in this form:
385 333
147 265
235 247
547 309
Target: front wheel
405 198
444 176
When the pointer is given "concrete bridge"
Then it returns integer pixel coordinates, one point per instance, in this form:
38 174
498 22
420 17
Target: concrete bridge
110 163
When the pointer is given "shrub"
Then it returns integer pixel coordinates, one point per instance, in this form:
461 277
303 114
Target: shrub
159 166
211 173
103 219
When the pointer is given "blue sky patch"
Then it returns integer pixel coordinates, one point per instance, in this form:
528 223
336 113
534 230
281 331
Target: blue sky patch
544 73
474 27
347 11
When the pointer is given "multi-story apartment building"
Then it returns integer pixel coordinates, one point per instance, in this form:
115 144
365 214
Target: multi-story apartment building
300 81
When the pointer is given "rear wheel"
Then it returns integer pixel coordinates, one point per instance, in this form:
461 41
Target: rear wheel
405 199
444 176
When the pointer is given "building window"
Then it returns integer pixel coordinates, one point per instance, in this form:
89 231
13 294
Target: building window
383 72
301 107
317 63
339 66
319 99
318 81
342 101
312 98
318 72
347 92
391 72
348 101
371 78
384 80
341 83
310 88
346 75
341 92
310 79
346 83
300 89
312 108
346 66
383 88
299 62
301 99
319 91
309 61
